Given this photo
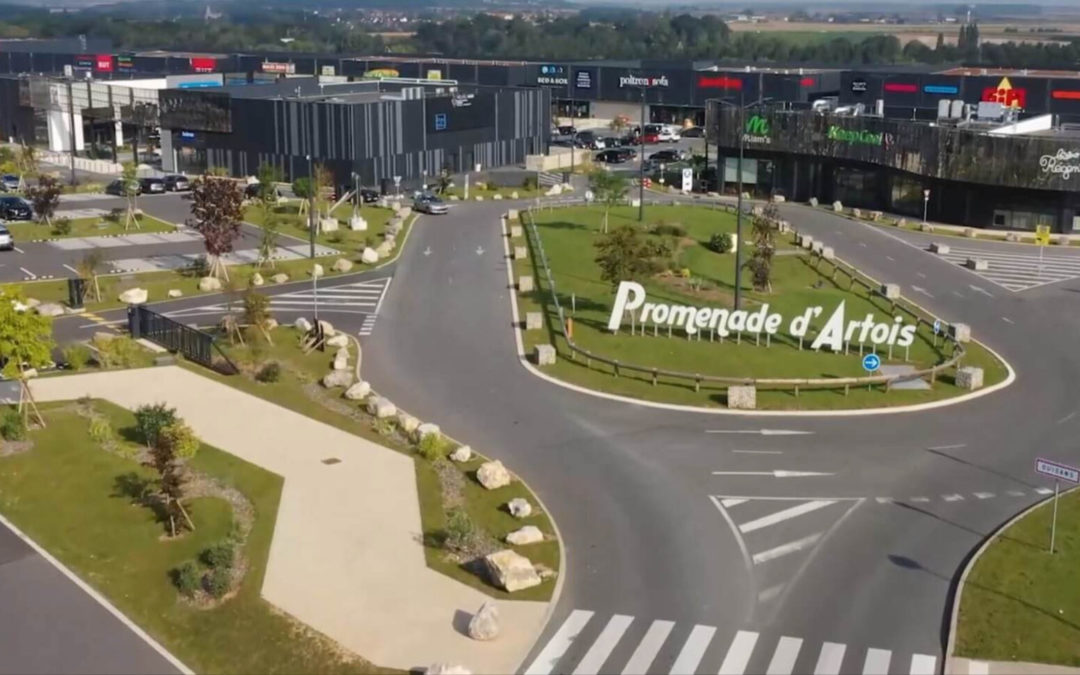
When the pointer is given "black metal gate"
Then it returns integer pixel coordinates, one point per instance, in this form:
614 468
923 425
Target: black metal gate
194 344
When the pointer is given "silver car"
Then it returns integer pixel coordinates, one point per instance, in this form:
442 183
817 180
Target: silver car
7 242
430 204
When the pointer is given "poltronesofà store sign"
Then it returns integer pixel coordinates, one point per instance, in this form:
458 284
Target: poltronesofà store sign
837 331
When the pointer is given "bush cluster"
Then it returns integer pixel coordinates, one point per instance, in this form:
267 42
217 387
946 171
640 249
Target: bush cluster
76 356
665 229
12 427
62 226
187 579
216 579
118 352
218 555
270 372
432 447
101 431
720 242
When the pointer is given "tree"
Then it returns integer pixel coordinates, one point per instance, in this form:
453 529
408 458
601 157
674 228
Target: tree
257 312
268 175
620 122
762 233
130 188
625 255
609 188
89 266
174 445
150 419
444 181
217 207
44 198
939 46
25 344
27 163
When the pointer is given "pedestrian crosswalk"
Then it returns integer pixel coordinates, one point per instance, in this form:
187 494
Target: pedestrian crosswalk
1018 268
586 644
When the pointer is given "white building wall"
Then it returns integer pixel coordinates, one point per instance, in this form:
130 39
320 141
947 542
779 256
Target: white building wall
59 124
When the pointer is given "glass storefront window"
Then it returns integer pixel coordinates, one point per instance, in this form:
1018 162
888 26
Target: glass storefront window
856 187
574 109
907 196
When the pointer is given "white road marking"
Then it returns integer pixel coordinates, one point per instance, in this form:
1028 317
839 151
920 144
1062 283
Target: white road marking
786 514
758 452
923 664
427 251
731 524
728 503
19 250
830 659
783 659
984 495
1014 493
883 500
738 654
948 447
71 269
958 294
890 258
479 250
877 662
923 291
777 473
786 549
600 650
549 656
769 593
919 499
28 273
862 243
1007 319
1043 491
953 498
980 289
690 656
1067 417
648 648
920 275
762 432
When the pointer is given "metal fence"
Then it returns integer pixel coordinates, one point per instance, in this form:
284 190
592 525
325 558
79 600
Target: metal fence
194 344
838 268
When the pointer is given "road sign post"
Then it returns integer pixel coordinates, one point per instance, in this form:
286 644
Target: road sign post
937 331
870 363
1058 472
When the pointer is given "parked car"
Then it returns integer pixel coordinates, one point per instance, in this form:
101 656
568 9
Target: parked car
15 208
693 132
9 182
566 130
615 156
587 139
369 196
667 156
669 133
117 187
152 186
429 203
175 182
7 242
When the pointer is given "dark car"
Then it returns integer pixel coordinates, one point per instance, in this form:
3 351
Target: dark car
9 182
692 132
117 187
369 196
666 156
7 242
14 208
175 182
152 186
566 130
611 157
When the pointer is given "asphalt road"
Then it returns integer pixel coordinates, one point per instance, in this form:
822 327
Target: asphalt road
845 556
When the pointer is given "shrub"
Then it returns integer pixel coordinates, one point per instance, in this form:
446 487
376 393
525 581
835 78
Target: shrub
218 582
431 447
12 427
384 428
62 226
530 183
336 237
118 352
180 437
151 419
666 229
720 242
220 554
76 356
101 431
270 372
186 578
461 532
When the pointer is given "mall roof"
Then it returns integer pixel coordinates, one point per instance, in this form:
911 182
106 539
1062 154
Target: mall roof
1011 72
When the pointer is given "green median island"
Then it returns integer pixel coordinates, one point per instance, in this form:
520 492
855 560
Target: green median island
64 228
1019 602
676 269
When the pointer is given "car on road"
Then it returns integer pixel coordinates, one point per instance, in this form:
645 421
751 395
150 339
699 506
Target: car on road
15 208
693 132
7 242
175 182
152 186
615 156
117 187
667 156
429 203
588 139
9 182
369 196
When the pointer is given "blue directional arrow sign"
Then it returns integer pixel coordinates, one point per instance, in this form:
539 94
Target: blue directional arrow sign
937 326
871 362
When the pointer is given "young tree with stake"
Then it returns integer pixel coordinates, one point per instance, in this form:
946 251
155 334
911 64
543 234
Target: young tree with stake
44 198
129 186
89 267
763 235
25 343
217 207
609 189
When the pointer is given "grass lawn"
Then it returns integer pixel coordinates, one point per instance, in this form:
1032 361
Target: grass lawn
66 493
86 227
705 278
484 506
1019 602
292 223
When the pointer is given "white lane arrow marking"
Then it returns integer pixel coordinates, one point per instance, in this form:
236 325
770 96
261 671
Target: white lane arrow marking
479 250
920 289
778 473
427 251
979 289
760 432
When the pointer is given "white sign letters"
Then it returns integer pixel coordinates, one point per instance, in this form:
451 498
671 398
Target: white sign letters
837 330
1064 162
636 81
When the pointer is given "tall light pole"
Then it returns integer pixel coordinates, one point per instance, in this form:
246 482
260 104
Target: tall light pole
311 205
641 164
925 203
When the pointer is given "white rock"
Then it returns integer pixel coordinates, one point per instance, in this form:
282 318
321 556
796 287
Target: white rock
530 534
54 309
132 296
327 328
279 278
381 407
544 355
479 198
339 340
369 256
357 224
209 284
342 265
427 429
257 279
519 507
342 353
462 454
514 194
511 571
554 191
317 270
338 378
384 249
271 323
484 625
493 475
32 303
407 422
970 378
302 325
447 669
497 197
175 293
341 364
742 397
358 391
328 224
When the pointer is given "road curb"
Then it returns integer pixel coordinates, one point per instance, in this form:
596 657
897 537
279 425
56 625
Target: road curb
956 596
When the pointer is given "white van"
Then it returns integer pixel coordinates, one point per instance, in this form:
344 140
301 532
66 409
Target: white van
669 133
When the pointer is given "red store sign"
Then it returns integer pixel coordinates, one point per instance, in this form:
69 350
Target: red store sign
719 82
1005 94
103 63
203 64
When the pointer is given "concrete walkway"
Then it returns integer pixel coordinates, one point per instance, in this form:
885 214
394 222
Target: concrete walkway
955 665
346 557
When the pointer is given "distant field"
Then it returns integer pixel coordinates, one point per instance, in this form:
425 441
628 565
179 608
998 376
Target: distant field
811 32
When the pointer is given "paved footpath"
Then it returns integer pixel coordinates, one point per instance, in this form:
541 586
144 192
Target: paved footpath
346 557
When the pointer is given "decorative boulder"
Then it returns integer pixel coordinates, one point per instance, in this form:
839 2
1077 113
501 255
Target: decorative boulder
510 570
302 325
384 249
479 198
279 278
742 397
341 359
338 378
493 475
381 407
857 213
209 284
497 197
1012 237
519 507
328 225
779 199
525 283
327 328
357 224
484 625
902 222
271 323
545 355
554 191
961 332
530 534
427 429
454 198
447 669
342 265
521 252
56 309
813 201
1062 240
338 340
890 291
137 296
514 194
516 231
838 206
939 248
757 211
534 320
369 256
358 391
977 264
875 216
462 454
512 214
926 227
827 253
970 378
969 232
407 422
257 279
317 270
175 293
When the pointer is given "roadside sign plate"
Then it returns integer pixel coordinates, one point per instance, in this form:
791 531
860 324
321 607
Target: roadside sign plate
937 326
1058 471
1042 235
871 362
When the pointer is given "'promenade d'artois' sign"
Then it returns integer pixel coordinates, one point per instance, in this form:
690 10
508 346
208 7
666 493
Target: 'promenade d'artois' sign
837 330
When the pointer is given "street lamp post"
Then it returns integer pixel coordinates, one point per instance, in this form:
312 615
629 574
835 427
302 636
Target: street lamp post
641 163
925 203
311 205
356 190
